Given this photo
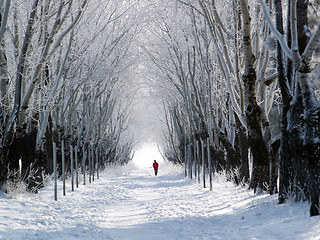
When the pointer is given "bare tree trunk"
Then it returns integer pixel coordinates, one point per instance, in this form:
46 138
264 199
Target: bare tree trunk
20 71
55 170
243 147
260 169
93 163
311 109
76 165
90 162
284 158
4 17
97 160
209 163
190 160
4 84
195 159
71 167
300 148
198 160
186 157
203 164
4 109
84 167
63 168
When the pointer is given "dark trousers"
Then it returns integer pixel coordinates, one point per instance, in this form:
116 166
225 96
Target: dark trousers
156 172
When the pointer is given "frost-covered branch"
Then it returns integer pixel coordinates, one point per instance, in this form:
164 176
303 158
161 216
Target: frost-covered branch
294 33
45 54
51 94
69 28
4 18
20 71
275 32
312 44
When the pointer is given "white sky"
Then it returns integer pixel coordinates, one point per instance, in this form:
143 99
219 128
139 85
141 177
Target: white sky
146 154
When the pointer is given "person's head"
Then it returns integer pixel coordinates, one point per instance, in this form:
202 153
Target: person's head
154 160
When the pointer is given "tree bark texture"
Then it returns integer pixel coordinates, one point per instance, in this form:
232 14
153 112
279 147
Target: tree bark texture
259 150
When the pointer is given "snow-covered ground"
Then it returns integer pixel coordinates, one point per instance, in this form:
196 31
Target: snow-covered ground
131 203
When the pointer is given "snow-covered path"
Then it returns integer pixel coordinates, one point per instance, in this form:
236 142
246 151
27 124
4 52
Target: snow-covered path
137 205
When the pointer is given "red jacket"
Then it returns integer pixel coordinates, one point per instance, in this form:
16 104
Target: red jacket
155 165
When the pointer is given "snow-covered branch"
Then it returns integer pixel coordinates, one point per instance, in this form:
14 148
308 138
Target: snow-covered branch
4 18
275 32
312 44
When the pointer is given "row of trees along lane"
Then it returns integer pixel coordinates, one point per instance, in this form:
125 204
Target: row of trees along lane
238 87
239 92
68 61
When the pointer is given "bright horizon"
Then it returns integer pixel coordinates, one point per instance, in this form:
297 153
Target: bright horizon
146 154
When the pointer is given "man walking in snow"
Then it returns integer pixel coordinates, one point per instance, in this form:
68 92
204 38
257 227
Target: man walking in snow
155 167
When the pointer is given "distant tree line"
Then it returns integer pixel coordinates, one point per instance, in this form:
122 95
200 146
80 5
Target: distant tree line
240 85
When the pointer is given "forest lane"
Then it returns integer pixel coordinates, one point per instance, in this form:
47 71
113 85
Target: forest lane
136 205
